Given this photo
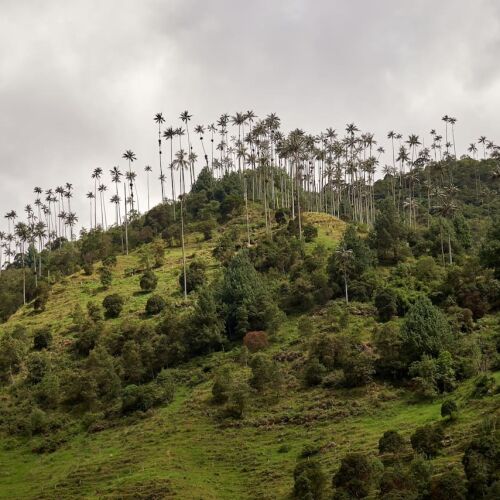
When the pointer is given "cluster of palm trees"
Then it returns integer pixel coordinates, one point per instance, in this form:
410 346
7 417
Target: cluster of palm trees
332 172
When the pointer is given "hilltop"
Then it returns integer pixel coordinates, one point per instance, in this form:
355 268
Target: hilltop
302 347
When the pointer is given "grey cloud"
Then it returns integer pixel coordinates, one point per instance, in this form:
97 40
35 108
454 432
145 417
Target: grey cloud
81 80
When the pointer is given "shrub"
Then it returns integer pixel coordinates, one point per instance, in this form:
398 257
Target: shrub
37 366
309 232
309 480
391 442
314 372
105 276
155 305
481 463
427 440
38 421
42 339
113 305
42 296
237 400
149 281
355 475
195 276
449 409
88 268
222 385
425 330
94 313
386 304
358 369
485 385
255 341
448 485
265 372
109 261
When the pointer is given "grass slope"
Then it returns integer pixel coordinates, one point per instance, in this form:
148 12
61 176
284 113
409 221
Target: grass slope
185 450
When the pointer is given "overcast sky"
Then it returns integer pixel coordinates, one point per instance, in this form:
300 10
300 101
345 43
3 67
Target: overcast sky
80 80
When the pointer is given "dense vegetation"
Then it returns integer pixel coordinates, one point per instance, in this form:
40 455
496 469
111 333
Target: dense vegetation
287 292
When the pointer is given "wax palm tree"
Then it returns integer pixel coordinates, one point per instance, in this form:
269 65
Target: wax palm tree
200 130
71 220
452 121
344 258
182 163
185 118
96 175
148 170
22 232
159 120
90 197
130 157
2 248
169 134
104 219
446 210
482 140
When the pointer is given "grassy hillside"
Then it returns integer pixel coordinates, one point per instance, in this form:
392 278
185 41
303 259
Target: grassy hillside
187 449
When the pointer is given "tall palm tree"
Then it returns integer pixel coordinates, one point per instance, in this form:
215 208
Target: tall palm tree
169 134
148 170
2 248
96 175
104 220
452 122
90 197
22 231
482 140
71 220
181 162
185 118
130 157
344 261
159 120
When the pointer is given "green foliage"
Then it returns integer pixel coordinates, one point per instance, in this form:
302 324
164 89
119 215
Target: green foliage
158 251
42 339
433 375
361 259
113 305
237 401
247 302
42 293
221 387
427 440
481 461
106 276
149 281
12 352
388 343
448 485
155 305
386 304
314 372
490 250
195 276
309 480
391 442
265 373
449 409
205 328
355 476
388 234
424 330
